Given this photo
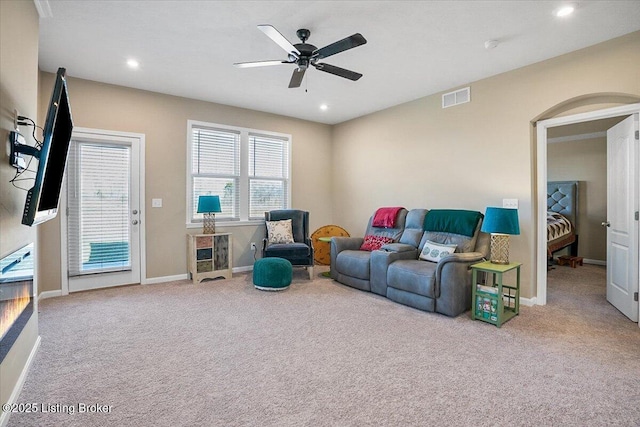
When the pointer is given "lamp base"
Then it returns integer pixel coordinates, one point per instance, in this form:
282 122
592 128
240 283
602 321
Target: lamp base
209 223
500 248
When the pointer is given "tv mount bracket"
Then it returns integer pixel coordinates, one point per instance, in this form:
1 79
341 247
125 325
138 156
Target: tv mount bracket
18 148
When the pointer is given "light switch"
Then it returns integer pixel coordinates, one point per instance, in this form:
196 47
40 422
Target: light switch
156 203
510 203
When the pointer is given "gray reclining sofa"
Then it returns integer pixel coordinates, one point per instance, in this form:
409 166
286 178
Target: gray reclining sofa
396 271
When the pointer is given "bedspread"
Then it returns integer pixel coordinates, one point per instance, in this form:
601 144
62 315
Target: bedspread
557 226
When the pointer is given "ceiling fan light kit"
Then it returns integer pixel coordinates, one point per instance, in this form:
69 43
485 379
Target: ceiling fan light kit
304 54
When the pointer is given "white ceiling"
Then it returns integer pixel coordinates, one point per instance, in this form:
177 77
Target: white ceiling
414 48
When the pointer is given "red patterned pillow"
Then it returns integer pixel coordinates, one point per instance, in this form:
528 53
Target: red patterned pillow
373 243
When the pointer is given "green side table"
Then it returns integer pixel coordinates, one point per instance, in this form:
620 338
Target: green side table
326 239
494 302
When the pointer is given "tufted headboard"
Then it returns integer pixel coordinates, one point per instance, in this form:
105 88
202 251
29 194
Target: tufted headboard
562 197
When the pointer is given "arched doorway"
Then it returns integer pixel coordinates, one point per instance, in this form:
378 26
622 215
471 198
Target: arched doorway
612 105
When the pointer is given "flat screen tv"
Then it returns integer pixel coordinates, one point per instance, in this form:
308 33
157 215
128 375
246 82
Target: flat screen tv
43 198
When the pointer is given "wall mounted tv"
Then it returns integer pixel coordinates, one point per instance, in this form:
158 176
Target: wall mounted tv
42 199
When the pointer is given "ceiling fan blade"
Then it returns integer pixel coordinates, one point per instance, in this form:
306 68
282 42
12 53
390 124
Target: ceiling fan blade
275 35
260 63
332 69
296 78
340 46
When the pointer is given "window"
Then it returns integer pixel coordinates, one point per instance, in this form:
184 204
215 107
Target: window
98 198
248 169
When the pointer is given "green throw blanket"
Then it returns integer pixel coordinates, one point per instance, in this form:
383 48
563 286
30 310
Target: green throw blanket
452 221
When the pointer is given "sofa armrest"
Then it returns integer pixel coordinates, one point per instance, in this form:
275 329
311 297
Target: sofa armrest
380 261
398 247
339 244
453 282
457 260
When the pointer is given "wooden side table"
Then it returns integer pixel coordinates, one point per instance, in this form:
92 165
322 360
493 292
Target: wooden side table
495 303
209 256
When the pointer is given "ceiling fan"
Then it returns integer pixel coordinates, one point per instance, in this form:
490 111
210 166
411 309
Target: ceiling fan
305 54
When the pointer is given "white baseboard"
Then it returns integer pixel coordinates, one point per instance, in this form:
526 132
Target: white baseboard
594 261
4 416
49 294
164 279
242 269
529 302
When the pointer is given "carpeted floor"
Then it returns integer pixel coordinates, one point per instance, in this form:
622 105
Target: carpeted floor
323 354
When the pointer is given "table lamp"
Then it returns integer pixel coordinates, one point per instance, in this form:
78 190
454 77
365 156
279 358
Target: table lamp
208 206
500 222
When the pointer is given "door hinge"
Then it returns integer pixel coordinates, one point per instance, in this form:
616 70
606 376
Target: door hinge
637 216
637 134
635 296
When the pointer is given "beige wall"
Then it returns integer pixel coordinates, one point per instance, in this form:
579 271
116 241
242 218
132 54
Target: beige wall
18 90
584 161
415 154
473 155
163 121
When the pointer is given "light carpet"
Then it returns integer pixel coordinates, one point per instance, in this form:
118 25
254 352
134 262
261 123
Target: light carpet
322 354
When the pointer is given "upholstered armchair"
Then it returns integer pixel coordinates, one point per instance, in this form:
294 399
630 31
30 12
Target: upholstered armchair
296 248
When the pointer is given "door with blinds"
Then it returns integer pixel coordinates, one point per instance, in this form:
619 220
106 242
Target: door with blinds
103 211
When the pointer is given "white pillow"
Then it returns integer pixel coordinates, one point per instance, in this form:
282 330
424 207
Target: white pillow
280 231
433 251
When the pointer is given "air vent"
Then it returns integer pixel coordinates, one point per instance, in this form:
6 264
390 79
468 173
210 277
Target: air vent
458 97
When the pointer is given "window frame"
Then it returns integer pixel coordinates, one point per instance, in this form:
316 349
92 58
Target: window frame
244 178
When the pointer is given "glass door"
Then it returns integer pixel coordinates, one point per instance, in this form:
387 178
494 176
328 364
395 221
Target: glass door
103 243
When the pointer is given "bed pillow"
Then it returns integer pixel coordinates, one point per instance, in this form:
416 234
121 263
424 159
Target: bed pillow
432 251
280 231
373 243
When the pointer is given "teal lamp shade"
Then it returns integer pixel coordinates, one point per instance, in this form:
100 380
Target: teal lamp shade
500 222
208 206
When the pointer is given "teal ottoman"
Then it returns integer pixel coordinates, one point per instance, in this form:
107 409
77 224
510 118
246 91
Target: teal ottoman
272 274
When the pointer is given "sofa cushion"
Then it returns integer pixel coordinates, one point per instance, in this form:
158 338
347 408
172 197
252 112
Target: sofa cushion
413 276
413 228
373 243
464 243
354 263
432 251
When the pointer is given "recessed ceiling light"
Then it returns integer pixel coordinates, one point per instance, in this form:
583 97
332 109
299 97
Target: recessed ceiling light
491 44
565 11
132 63
324 107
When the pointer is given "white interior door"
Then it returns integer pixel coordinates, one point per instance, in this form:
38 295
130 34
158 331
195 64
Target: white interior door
622 221
103 211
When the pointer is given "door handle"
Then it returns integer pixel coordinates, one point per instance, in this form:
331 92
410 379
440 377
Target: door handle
134 222
606 224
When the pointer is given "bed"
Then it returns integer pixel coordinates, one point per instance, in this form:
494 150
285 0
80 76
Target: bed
562 214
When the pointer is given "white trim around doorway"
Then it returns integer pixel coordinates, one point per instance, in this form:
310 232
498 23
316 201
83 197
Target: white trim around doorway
140 137
541 182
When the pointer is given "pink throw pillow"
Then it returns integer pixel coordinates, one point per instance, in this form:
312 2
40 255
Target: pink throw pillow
373 243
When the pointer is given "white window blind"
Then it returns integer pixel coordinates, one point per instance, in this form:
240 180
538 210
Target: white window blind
98 198
268 174
215 170
249 169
